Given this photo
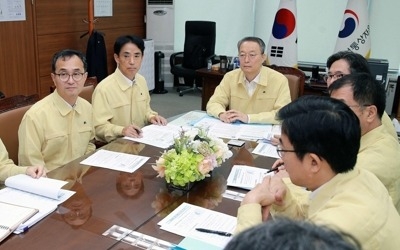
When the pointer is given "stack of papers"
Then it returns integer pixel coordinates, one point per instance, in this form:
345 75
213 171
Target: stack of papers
12 216
187 217
163 136
44 194
189 119
250 132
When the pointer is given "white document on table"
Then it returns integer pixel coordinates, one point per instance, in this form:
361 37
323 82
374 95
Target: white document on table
44 194
250 132
225 130
115 160
187 217
188 119
158 136
254 132
266 149
246 177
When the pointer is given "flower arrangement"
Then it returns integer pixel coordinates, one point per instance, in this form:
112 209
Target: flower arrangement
192 157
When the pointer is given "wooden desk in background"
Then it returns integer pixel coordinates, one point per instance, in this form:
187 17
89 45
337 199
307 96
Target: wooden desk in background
99 203
315 88
210 80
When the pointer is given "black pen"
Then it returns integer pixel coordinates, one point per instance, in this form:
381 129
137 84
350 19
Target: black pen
275 168
203 230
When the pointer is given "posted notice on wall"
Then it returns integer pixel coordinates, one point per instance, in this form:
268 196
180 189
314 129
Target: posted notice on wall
12 10
103 8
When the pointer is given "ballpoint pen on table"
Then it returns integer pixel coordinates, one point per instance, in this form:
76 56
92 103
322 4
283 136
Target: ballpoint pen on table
204 230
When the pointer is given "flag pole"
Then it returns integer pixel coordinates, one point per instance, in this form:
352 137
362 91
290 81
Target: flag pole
254 16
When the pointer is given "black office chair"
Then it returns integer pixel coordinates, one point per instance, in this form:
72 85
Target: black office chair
199 46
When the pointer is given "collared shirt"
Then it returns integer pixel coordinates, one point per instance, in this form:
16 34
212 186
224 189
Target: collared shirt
380 153
271 93
7 166
129 81
355 202
53 133
252 85
117 104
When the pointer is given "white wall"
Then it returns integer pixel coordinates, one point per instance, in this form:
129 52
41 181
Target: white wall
318 25
234 20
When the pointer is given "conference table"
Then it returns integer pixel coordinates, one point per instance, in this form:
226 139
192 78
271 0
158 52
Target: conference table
137 201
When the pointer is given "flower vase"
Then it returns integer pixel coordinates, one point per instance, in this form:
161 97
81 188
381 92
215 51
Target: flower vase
172 187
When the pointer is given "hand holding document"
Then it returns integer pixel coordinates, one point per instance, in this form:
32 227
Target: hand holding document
187 217
116 161
246 177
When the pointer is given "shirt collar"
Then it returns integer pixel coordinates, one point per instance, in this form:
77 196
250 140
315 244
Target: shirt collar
255 80
64 107
127 80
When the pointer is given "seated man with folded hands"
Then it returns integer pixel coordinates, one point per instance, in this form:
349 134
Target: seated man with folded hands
253 93
319 145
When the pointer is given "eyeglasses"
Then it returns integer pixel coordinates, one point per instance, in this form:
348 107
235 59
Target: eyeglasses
76 76
251 56
281 152
359 106
333 76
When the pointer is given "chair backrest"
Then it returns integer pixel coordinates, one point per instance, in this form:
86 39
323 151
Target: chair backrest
88 88
296 79
9 124
199 43
16 101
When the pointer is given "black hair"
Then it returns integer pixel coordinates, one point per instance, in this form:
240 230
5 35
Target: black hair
357 62
122 40
67 53
366 90
325 127
288 234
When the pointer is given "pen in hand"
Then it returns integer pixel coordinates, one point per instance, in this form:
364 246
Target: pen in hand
275 169
204 230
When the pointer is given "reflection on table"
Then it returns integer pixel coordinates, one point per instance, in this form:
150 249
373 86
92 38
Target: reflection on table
135 200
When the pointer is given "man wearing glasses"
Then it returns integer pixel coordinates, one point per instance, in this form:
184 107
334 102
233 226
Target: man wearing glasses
366 98
59 128
347 62
319 146
379 152
253 93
